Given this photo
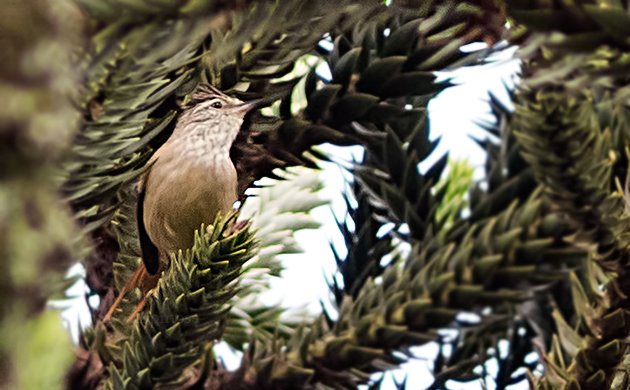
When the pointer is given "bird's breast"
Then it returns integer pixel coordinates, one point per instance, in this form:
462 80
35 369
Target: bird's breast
182 192
201 138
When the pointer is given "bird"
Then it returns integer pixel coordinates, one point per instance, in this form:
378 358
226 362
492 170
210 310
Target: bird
188 181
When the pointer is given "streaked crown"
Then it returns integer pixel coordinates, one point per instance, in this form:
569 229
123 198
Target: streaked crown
212 101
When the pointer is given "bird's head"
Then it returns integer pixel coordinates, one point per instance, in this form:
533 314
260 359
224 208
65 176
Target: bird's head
208 102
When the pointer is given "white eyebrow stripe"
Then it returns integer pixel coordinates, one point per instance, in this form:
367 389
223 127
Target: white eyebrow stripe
218 98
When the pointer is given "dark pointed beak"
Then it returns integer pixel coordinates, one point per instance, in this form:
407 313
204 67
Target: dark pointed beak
247 106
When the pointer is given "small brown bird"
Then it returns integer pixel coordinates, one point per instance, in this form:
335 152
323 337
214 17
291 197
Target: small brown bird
189 180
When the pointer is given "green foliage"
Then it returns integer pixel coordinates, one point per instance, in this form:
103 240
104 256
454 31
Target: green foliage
492 262
37 234
455 186
35 366
365 247
573 131
507 175
436 283
145 10
282 140
186 311
581 184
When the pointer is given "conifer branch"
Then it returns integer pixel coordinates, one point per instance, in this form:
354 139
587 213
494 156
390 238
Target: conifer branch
187 310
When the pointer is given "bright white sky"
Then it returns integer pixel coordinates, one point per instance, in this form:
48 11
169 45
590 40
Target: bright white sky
452 116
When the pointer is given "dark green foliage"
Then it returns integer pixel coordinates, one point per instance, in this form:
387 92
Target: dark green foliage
146 10
410 193
573 133
573 127
370 81
492 263
425 294
366 248
580 183
509 179
281 141
507 175
187 311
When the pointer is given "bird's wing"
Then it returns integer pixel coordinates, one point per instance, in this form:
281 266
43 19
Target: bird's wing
142 180
149 252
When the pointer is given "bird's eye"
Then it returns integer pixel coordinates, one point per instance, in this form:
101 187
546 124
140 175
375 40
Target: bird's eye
216 105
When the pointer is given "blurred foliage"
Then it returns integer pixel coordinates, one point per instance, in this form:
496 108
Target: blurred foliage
44 352
38 240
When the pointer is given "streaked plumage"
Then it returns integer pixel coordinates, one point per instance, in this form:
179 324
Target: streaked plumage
189 181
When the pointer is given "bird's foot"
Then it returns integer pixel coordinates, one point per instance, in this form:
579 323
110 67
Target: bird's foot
131 284
140 306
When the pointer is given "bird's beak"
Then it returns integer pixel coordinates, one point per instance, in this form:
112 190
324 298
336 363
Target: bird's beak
247 106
